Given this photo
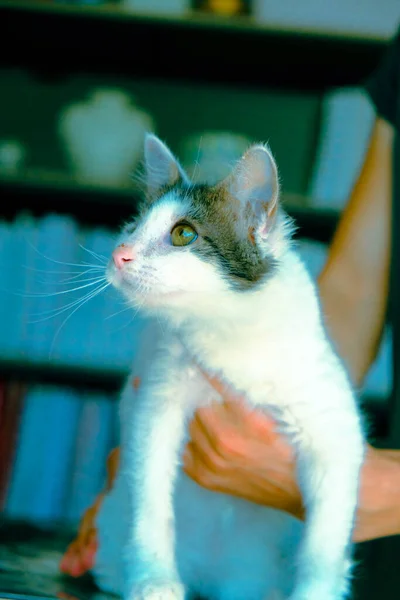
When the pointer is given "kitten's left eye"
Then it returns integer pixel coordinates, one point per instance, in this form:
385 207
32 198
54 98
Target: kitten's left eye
183 235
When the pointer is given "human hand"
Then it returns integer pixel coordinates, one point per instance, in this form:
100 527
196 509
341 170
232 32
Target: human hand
81 553
238 451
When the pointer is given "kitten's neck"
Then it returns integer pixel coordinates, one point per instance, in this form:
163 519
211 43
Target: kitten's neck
275 300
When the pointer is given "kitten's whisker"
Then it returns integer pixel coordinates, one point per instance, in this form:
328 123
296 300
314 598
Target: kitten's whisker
124 325
54 312
139 305
59 262
80 280
159 322
99 257
76 277
81 287
85 264
93 294
97 267
196 164
117 313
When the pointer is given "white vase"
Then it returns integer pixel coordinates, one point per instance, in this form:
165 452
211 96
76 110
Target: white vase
209 157
158 7
103 137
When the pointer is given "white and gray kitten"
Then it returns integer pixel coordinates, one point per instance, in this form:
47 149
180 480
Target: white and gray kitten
213 269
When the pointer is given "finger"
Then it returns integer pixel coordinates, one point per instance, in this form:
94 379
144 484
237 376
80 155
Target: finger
89 555
220 386
76 568
207 423
257 420
197 470
201 446
65 562
68 557
236 414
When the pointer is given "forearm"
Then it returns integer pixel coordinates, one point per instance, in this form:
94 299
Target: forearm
379 501
354 283
378 513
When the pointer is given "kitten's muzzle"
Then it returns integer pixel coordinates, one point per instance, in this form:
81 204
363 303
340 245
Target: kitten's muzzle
122 255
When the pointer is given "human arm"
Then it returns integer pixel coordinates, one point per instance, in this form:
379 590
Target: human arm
239 452
354 282
80 554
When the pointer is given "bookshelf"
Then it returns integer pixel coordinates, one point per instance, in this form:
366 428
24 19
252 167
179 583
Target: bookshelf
53 41
195 47
107 39
37 190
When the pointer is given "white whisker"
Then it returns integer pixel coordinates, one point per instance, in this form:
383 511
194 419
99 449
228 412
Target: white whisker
54 312
95 267
76 277
81 287
81 280
93 294
118 313
99 257
58 262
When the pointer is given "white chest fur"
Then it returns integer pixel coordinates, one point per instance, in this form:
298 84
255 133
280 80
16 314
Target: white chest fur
276 352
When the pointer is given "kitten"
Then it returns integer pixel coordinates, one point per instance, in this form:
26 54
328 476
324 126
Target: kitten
214 270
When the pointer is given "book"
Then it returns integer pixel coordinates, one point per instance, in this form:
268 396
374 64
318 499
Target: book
38 487
48 284
12 397
16 241
94 441
346 124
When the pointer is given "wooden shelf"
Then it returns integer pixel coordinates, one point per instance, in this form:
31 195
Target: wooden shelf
64 38
102 379
111 381
40 192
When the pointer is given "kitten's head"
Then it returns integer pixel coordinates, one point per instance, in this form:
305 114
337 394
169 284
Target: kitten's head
196 244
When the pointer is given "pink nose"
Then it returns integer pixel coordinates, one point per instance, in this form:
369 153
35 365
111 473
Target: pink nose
121 255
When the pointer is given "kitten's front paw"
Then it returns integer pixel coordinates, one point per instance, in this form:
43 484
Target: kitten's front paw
153 589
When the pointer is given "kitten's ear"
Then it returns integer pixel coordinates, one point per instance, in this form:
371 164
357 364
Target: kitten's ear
162 168
254 183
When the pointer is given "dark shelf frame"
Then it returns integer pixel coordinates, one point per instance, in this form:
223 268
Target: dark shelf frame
99 379
195 48
111 380
111 207
54 41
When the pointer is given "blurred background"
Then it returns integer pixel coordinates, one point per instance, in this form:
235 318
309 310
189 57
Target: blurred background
81 82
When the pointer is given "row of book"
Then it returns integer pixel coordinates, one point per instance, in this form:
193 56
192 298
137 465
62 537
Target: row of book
53 448
54 442
379 380
54 301
51 312
347 118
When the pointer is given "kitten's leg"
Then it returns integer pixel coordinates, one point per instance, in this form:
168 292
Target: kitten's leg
328 438
151 462
329 461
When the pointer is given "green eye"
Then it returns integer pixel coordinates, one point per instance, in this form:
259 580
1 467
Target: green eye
183 235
